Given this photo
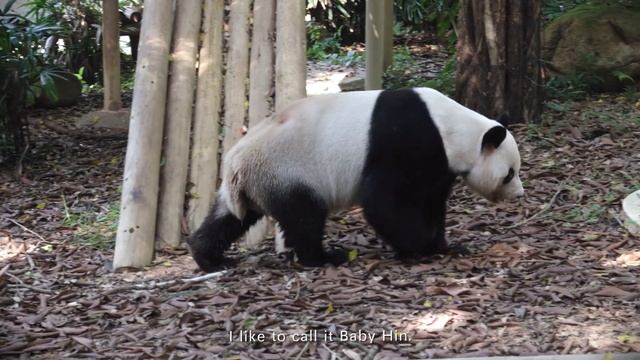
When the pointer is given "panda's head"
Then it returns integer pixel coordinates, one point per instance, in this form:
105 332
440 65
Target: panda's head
494 174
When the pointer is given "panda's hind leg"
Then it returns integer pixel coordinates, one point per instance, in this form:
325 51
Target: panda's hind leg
216 234
301 215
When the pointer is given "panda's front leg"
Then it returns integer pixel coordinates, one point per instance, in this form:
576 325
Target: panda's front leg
434 213
397 219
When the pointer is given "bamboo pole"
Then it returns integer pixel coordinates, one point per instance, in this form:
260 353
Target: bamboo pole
111 55
173 174
262 60
203 171
291 67
235 81
137 223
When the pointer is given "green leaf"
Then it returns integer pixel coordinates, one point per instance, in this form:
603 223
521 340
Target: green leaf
621 76
628 339
330 308
8 6
352 255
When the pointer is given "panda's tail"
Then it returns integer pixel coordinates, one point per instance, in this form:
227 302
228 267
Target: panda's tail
216 234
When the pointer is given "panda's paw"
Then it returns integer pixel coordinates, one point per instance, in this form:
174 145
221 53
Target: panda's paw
337 257
218 264
455 250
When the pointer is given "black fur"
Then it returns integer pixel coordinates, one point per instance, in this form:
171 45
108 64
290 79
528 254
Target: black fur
216 234
406 178
302 215
494 137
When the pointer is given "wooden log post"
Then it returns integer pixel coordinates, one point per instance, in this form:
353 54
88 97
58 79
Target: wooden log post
262 61
235 82
173 174
291 57
374 43
203 172
138 209
111 55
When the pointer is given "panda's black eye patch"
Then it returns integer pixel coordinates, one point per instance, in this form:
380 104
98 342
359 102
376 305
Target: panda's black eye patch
509 176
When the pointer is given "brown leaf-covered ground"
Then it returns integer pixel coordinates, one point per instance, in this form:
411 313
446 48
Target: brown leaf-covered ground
553 273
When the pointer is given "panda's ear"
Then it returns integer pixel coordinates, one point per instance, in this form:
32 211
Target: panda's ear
493 138
504 120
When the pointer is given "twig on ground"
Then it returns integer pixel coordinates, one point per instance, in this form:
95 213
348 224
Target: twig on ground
545 208
333 353
4 269
163 284
304 348
31 287
27 230
18 171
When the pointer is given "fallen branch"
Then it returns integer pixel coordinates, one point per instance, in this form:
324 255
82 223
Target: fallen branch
545 208
164 284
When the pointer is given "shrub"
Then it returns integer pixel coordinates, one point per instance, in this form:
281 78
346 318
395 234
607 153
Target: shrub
24 75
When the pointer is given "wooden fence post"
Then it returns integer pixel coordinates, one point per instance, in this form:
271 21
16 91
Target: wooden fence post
235 81
291 57
173 174
137 223
203 172
262 62
111 54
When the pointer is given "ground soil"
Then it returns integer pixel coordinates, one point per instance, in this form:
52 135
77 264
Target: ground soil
554 272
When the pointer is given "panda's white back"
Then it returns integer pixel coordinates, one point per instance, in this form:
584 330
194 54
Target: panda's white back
320 141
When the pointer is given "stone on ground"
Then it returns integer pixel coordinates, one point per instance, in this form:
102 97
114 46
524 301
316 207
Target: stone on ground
600 39
631 212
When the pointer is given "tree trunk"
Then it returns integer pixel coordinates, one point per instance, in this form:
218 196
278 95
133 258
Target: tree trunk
203 172
291 57
498 68
137 223
235 82
261 73
173 177
111 54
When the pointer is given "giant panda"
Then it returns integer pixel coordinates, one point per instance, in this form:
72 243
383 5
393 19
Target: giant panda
395 153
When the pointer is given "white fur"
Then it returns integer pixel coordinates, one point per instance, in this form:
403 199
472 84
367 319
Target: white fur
462 130
322 142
